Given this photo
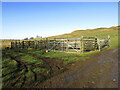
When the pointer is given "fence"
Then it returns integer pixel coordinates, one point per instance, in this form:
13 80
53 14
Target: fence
65 45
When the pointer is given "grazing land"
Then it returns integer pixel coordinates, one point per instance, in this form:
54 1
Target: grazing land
21 68
36 68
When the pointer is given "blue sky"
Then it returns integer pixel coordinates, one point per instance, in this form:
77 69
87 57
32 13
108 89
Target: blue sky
28 19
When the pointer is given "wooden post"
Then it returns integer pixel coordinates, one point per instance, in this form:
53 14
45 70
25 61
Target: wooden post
28 43
22 44
95 43
36 44
109 40
75 44
33 44
99 44
67 46
54 45
19 44
12 45
46 44
16 44
63 46
82 45
40 45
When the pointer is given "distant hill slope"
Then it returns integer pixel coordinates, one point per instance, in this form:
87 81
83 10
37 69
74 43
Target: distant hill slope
98 32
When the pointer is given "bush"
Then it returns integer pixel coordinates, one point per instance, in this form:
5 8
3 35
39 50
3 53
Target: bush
32 38
26 39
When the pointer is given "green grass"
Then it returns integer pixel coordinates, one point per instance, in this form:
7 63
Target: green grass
11 65
31 59
66 57
29 76
37 52
89 53
39 70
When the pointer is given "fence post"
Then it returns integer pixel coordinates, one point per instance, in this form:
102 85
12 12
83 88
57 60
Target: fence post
46 44
38 44
82 41
63 45
80 45
75 44
35 44
12 45
28 43
67 46
54 44
109 40
95 43
19 44
22 44
99 45
16 44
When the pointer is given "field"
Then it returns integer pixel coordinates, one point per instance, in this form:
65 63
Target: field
20 68
30 67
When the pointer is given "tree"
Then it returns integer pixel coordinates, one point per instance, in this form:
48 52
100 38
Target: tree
38 36
25 38
32 38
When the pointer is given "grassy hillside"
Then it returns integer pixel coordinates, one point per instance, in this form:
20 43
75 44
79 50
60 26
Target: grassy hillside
98 32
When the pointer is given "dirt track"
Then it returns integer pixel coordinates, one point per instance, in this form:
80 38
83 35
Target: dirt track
101 71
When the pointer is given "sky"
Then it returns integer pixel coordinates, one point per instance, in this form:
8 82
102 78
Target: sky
29 19
60 0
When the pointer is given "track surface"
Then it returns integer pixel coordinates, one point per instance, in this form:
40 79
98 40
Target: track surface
101 71
19 77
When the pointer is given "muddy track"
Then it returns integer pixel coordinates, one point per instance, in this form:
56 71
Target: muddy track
50 63
20 66
35 75
16 73
26 70
22 63
100 71
18 78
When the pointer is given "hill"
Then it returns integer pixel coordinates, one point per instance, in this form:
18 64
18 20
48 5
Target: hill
98 32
